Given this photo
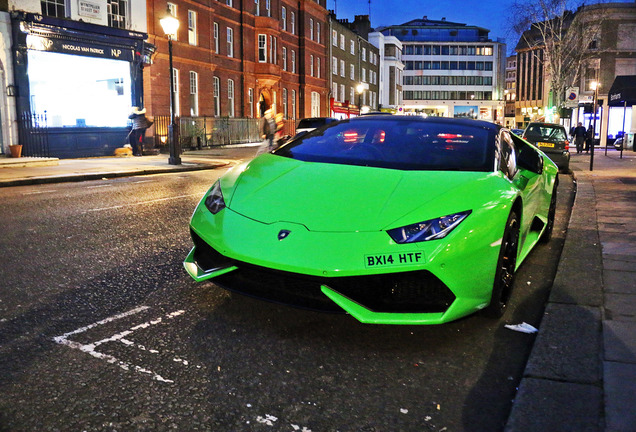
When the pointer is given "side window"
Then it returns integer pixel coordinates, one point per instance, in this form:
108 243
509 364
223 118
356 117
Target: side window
506 157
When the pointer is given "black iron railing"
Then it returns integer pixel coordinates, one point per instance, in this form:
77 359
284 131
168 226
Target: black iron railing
33 133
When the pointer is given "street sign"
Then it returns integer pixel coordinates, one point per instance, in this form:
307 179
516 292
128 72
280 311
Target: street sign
572 97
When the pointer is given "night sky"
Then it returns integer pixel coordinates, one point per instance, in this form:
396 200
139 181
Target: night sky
493 15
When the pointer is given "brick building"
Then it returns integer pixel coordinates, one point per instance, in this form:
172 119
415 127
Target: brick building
235 59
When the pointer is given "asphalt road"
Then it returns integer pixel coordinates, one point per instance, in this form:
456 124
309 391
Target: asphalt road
102 329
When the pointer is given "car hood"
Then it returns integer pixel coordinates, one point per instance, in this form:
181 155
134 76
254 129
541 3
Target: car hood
344 198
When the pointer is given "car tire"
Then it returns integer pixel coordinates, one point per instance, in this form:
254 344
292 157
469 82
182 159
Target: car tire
505 273
547 233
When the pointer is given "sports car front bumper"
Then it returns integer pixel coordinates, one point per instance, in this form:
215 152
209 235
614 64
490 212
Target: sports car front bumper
424 283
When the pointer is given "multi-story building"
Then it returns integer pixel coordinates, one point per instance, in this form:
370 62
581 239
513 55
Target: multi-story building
75 67
450 69
610 54
354 67
391 71
532 80
510 92
237 59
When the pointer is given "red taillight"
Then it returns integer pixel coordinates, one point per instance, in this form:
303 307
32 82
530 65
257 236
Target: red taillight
350 137
567 145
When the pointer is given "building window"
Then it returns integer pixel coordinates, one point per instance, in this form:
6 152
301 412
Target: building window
342 68
293 104
262 48
268 7
116 10
352 94
334 65
283 17
194 94
342 92
352 47
342 42
257 5
315 104
250 94
55 8
230 42
216 37
318 62
293 61
284 58
318 32
293 23
311 28
364 54
311 65
217 97
175 91
285 103
230 97
192 27
334 38
352 72
364 75
271 49
228 2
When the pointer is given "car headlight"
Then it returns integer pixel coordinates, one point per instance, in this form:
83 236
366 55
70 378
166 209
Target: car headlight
214 201
428 230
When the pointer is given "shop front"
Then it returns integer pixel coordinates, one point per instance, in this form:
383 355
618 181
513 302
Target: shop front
77 82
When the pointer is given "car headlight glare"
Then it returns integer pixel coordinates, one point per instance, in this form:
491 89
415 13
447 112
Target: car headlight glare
428 230
214 201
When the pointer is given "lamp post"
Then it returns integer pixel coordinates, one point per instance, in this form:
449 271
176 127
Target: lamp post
594 85
360 90
170 26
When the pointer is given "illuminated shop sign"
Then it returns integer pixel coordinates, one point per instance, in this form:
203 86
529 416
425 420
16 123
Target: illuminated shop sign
78 48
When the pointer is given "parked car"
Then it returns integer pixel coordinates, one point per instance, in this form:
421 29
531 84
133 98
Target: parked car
308 124
392 219
552 139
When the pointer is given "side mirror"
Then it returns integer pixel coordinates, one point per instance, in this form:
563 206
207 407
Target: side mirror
530 160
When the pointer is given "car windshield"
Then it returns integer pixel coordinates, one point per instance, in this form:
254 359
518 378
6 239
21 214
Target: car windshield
311 123
397 144
546 132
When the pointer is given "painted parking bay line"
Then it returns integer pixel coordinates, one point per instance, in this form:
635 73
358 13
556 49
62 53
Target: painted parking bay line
122 337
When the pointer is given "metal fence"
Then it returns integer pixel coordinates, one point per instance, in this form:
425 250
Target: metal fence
33 132
199 132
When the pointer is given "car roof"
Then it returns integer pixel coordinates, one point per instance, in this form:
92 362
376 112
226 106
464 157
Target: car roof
442 120
544 124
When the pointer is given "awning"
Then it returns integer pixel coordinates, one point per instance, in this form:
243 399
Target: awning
623 91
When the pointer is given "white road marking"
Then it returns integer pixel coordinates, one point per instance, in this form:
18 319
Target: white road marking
142 203
99 186
121 337
39 192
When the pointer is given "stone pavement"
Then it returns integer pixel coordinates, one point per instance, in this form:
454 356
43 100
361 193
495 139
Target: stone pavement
581 374
25 170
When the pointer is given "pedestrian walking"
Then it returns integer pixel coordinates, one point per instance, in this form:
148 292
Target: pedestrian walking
579 134
268 129
138 131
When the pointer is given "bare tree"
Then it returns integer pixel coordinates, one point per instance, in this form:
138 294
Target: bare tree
559 33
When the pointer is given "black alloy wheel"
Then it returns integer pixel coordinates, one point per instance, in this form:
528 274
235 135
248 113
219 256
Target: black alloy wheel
506 264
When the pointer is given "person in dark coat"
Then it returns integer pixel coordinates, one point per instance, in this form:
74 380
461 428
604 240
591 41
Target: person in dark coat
139 125
589 140
579 134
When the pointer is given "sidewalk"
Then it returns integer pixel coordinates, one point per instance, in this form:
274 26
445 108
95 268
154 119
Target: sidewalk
27 171
581 374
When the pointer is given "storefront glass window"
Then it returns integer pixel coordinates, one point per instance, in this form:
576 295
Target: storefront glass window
77 91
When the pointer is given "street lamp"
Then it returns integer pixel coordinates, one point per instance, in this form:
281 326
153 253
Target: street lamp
594 85
170 25
360 90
